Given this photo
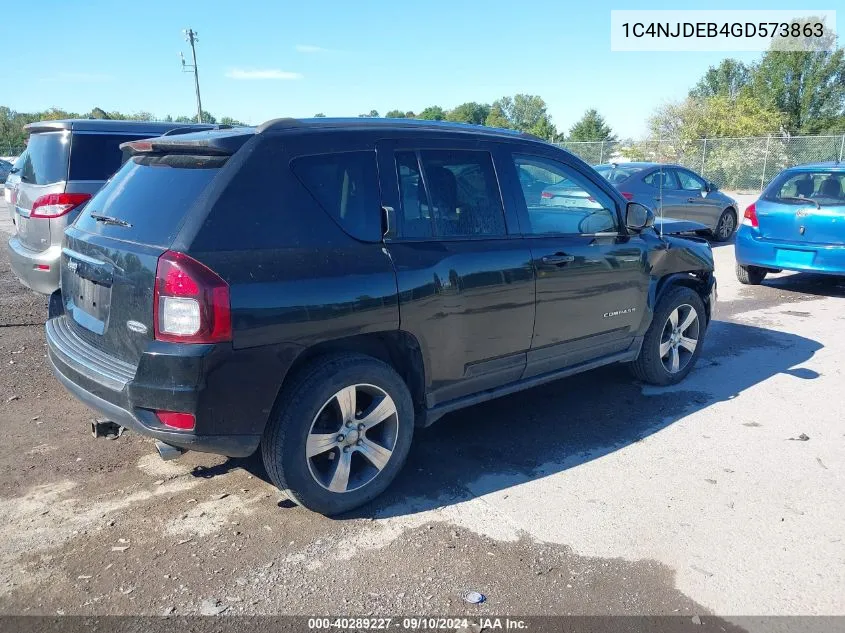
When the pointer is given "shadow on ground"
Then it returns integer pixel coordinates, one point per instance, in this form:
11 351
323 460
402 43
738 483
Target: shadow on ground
546 430
809 284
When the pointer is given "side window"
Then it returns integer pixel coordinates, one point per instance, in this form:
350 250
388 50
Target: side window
415 214
662 179
568 203
449 193
346 186
689 181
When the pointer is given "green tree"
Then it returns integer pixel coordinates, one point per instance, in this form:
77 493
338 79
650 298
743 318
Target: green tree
808 87
227 120
591 127
98 113
470 112
714 117
371 115
395 114
410 115
432 113
185 119
526 113
727 79
497 117
319 115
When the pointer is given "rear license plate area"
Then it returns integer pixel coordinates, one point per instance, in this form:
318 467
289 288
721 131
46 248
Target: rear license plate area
88 302
789 257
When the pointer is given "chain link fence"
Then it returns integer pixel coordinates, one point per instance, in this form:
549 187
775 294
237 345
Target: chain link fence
9 150
736 164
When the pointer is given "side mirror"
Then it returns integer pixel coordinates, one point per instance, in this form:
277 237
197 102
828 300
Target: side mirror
712 186
638 217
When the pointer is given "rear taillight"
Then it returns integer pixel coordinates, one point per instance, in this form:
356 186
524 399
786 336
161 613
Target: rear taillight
55 205
184 421
750 217
627 195
547 195
191 302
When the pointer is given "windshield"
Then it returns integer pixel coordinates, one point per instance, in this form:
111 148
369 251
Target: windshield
825 187
616 173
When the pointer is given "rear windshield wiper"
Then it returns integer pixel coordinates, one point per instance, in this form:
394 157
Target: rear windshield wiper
107 219
802 200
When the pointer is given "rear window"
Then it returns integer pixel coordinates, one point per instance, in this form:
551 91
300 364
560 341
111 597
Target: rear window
46 158
827 188
346 186
97 156
616 173
152 194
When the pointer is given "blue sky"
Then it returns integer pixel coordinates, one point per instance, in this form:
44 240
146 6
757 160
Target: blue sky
260 60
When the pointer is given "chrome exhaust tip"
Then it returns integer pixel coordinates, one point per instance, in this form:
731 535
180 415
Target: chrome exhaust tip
168 452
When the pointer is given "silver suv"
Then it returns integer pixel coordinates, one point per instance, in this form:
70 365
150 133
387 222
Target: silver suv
66 162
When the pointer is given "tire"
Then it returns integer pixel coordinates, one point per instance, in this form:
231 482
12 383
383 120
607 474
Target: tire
656 369
311 398
750 275
725 227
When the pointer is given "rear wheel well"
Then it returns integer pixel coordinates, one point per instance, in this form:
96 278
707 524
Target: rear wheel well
398 349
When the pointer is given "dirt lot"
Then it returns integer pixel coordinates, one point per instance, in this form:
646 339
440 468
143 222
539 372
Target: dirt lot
590 495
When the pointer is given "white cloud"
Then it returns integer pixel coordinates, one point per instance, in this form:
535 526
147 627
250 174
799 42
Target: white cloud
309 48
261 73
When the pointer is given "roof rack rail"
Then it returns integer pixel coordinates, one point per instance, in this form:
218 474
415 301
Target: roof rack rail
278 124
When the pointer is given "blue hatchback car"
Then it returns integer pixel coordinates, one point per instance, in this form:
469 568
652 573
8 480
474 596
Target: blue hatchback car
797 224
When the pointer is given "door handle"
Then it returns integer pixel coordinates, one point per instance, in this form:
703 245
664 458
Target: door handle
693 199
558 259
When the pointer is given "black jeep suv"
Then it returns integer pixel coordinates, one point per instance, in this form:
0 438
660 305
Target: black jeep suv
318 288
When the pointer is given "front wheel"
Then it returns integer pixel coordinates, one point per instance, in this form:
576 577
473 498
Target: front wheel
340 433
725 227
750 275
673 341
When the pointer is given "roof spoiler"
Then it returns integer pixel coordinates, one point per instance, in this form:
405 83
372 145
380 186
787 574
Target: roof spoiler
214 141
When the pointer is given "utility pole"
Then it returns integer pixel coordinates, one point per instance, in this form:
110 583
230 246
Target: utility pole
191 38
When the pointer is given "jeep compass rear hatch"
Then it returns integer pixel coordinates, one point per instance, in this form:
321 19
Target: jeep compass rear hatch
114 251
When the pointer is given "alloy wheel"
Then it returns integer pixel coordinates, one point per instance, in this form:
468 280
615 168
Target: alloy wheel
352 438
679 338
726 225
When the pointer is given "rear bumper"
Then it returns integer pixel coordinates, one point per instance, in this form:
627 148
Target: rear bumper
753 250
129 396
25 264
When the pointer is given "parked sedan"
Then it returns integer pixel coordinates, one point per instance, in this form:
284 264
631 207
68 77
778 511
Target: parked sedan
675 192
797 224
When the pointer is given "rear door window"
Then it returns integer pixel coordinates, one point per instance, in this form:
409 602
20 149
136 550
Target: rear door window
346 186
662 179
97 156
152 195
46 158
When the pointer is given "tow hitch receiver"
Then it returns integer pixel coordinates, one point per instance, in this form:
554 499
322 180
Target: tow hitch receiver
107 429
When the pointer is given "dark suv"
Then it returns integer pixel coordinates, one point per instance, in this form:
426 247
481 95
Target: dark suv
319 288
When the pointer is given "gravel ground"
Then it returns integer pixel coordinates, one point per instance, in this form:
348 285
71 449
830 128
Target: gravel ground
592 495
